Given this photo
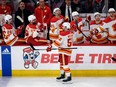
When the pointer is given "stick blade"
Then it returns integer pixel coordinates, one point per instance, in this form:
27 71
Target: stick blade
114 59
32 46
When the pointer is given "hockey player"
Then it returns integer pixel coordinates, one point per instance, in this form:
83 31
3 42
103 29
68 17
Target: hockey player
99 35
97 21
33 33
110 24
76 25
55 24
9 32
31 27
64 41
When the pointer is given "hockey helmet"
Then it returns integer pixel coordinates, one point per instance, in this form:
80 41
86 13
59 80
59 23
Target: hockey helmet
7 18
31 18
75 13
96 13
56 9
66 25
111 10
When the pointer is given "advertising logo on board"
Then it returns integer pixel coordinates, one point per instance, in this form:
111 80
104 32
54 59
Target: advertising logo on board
29 57
6 51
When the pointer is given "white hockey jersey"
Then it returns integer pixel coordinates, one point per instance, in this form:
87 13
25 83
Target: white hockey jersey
101 37
93 24
9 35
64 41
111 25
78 36
30 30
55 26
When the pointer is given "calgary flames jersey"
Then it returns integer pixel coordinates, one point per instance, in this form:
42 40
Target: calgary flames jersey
111 25
30 29
77 37
64 41
55 26
93 24
101 37
9 35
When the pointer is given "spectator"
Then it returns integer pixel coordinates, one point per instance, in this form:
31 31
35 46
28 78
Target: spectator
66 10
43 15
21 17
110 24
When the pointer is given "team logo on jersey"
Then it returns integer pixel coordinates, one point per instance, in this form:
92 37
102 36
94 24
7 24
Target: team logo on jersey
29 56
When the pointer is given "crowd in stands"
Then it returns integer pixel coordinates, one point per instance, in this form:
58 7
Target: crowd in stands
36 21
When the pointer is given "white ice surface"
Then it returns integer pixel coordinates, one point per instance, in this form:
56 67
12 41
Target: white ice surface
51 82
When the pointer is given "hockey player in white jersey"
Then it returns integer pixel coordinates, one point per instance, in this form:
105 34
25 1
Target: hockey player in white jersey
64 41
9 32
55 24
99 35
110 24
31 28
76 25
33 33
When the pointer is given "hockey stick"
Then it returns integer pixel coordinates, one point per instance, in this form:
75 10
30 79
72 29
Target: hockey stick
18 17
52 48
80 30
88 20
114 59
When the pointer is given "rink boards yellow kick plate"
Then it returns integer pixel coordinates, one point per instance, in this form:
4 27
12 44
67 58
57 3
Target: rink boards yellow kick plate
0 72
52 73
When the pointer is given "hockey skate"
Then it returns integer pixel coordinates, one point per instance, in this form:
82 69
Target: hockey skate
60 78
67 80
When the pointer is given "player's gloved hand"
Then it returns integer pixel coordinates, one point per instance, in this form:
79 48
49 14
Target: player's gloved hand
19 30
88 18
40 27
98 36
50 42
88 38
114 27
49 48
95 32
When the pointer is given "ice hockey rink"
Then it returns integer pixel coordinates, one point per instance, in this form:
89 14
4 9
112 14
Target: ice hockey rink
51 82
